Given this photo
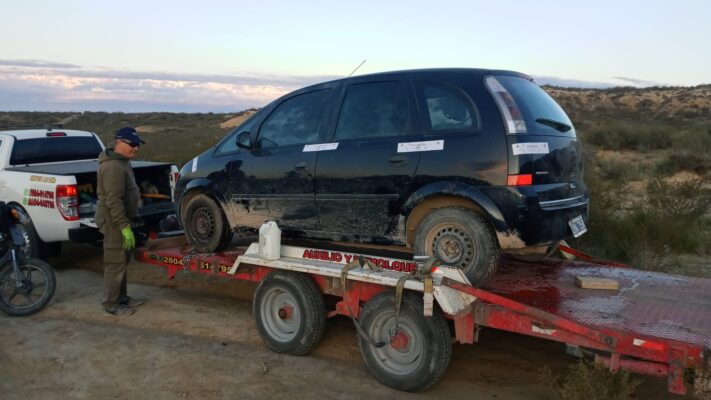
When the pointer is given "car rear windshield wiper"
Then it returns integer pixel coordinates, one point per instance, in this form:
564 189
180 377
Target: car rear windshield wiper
559 126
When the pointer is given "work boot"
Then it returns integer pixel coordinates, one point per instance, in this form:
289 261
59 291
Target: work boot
120 311
129 301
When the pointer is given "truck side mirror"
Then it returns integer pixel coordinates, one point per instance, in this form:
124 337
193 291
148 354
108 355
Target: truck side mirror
244 141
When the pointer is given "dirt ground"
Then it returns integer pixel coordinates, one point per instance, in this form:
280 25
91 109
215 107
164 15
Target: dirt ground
195 339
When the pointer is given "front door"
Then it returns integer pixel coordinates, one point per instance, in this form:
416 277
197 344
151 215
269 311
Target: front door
276 177
360 185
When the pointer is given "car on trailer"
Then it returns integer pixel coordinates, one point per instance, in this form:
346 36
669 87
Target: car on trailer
459 164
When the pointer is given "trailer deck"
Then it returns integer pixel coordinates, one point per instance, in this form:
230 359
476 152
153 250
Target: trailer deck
656 323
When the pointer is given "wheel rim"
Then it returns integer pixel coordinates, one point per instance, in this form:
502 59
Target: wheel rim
281 315
452 244
203 223
32 290
404 350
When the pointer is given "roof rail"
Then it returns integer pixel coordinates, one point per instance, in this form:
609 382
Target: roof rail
49 127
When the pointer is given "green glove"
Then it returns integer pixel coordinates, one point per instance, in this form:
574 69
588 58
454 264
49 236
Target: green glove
129 241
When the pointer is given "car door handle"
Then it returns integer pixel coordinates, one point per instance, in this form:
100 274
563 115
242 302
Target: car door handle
301 165
397 160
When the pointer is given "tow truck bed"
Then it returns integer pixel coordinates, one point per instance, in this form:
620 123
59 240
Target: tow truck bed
655 323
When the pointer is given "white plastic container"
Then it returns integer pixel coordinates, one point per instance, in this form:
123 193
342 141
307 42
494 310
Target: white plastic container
269 241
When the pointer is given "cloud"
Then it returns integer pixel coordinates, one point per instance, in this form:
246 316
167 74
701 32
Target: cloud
639 82
36 64
36 85
47 86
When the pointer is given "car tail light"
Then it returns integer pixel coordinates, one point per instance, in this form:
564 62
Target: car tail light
67 202
513 118
519 180
56 134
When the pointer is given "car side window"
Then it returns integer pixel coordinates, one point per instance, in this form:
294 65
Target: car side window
229 145
447 108
295 121
373 110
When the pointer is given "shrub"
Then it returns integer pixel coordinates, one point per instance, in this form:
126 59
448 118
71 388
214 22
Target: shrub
586 381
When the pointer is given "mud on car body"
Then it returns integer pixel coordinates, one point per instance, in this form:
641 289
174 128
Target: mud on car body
457 163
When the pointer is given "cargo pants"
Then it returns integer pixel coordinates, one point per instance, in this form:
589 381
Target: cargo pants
115 267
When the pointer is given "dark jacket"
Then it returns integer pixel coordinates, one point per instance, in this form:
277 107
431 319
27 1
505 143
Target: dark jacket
118 195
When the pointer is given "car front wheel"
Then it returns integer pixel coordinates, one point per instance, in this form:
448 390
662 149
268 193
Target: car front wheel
459 238
205 225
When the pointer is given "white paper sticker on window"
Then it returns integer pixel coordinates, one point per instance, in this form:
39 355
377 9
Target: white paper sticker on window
430 145
320 147
530 148
194 167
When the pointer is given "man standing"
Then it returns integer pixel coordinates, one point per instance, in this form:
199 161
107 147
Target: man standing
118 199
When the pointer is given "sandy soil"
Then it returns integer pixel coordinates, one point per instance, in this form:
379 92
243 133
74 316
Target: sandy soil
195 338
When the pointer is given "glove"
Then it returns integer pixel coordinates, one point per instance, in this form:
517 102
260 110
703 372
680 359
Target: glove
129 241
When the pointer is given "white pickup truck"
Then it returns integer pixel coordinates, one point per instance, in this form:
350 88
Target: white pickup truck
51 174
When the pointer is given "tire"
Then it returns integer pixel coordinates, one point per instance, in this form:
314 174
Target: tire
32 246
290 313
411 364
205 225
30 298
459 237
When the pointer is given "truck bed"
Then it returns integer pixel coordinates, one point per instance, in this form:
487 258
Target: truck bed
75 168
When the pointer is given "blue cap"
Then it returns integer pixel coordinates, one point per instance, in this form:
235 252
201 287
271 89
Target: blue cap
130 134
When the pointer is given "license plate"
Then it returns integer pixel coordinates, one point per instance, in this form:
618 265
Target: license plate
577 225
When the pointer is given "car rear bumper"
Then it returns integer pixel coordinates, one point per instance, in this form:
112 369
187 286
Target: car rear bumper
531 222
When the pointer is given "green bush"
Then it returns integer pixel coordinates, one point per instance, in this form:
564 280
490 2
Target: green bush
586 381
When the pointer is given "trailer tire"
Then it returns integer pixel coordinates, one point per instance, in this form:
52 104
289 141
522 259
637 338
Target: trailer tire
461 238
417 358
290 313
205 225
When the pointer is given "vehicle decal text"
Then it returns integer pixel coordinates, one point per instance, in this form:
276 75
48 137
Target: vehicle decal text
43 179
345 258
530 148
38 198
320 147
430 145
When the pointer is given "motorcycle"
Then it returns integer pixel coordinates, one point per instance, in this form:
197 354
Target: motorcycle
26 285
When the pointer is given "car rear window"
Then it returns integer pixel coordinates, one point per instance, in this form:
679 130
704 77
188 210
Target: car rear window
535 104
55 149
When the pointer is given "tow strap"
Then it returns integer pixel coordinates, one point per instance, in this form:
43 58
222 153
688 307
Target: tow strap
422 272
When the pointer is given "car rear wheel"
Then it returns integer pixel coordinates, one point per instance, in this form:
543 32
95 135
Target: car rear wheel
460 238
205 225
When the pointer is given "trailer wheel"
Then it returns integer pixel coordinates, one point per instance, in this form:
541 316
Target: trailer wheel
459 237
290 312
205 225
417 355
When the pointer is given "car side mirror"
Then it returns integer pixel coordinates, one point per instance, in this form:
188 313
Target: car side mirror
244 141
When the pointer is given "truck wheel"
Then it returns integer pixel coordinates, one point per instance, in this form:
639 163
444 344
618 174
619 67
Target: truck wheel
205 225
460 238
290 312
414 357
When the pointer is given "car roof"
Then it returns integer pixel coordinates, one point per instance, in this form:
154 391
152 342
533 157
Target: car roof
23 134
425 73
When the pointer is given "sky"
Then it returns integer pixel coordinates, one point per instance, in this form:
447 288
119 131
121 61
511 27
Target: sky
227 56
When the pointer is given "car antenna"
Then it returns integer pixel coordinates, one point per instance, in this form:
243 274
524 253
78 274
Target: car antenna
359 65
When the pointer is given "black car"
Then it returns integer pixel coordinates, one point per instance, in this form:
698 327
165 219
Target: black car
457 163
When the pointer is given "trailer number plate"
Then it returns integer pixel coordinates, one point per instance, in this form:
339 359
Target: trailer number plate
577 225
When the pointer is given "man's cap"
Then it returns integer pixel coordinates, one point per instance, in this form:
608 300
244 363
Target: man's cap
130 134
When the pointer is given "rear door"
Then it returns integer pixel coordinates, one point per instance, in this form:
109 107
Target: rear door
361 183
276 178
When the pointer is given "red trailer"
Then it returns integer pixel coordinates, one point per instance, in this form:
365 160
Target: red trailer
655 323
